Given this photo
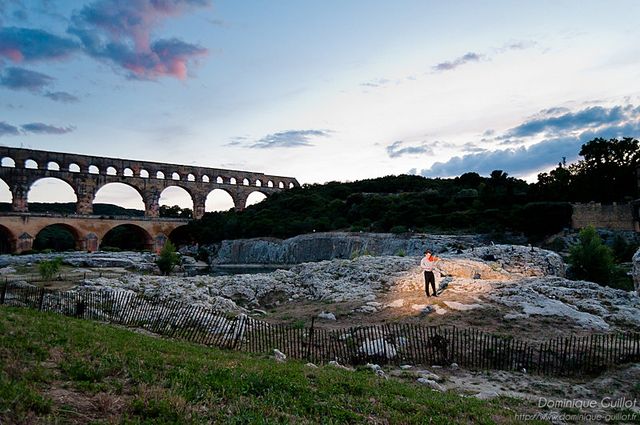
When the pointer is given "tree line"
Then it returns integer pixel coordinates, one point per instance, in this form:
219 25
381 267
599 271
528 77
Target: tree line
468 203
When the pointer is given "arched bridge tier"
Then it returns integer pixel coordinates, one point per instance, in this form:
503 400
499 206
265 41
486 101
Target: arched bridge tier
88 231
87 174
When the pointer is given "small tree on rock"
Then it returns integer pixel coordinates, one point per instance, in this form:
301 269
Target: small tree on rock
590 258
168 258
49 268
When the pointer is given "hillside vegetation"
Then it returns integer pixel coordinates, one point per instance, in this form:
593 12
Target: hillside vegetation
468 203
56 369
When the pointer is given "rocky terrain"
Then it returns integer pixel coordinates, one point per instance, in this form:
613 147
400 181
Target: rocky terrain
334 245
503 288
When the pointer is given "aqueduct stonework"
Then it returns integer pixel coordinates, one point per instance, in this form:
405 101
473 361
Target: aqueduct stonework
21 168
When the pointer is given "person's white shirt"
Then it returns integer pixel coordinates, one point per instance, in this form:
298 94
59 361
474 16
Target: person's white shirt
428 263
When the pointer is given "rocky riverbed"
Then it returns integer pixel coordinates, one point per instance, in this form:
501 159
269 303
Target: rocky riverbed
501 288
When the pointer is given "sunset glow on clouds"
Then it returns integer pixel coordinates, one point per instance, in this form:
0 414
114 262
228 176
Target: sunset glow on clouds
321 91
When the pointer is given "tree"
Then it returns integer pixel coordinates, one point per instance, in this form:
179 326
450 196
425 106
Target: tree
606 173
168 258
590 258
49 268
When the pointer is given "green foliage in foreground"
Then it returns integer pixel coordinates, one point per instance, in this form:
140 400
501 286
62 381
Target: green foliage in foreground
590 258
49 268
56 369
168 258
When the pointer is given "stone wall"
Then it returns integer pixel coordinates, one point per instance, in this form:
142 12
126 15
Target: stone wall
613 216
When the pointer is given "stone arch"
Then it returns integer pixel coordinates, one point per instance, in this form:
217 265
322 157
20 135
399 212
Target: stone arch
8 162
58 237
53 166
111 171
191 177
233 180
160 175
7 240
51 190
93 169
181 236
5 192
219 200
127 237
175 176
219 180
245 182
124 195
74 168
144 174
31 164
258 183
255 197
176 195
127 172
291 185
205 178
281 185
270 183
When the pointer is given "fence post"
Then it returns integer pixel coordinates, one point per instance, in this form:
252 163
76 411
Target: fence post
310 339
4 291
40 299
80 308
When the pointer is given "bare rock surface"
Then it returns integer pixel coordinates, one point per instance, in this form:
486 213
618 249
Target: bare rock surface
334 245
510 282
138 261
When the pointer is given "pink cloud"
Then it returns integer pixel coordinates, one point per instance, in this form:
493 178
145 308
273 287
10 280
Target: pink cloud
120 31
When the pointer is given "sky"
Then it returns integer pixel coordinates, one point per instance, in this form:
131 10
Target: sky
318 90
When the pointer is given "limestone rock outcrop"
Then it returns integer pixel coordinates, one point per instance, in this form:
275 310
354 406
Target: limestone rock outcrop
334 245
139 261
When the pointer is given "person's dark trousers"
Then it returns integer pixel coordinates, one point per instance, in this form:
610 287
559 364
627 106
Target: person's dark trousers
429 277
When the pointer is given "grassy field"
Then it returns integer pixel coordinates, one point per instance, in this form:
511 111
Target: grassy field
56 369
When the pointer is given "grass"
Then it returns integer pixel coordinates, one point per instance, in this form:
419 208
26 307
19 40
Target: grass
55 369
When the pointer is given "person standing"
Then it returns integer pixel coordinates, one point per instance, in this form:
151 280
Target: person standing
427 264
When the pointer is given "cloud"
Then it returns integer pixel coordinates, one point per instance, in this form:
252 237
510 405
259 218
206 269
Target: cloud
30 45
8 129
518 161
22 79
380 82
119 31
464 59
472 147
288 139
589 117
40 128
400 148
572 130
61 96
476 57
32 128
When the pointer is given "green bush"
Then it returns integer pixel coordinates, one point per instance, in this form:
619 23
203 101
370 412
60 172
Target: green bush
399 229
591 259
168 258
49 268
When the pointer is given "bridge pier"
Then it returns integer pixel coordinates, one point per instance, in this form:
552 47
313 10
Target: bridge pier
151 203
19 193
24 243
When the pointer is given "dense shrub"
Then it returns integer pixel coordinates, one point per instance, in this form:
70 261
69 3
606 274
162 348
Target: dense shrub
168 258
591 259
49 268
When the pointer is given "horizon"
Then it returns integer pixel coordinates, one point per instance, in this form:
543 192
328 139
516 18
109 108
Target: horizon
321 92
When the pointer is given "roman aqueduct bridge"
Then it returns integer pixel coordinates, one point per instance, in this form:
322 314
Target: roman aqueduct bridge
21 168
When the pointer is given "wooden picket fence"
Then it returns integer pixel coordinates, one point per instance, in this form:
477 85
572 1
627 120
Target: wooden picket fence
396 343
